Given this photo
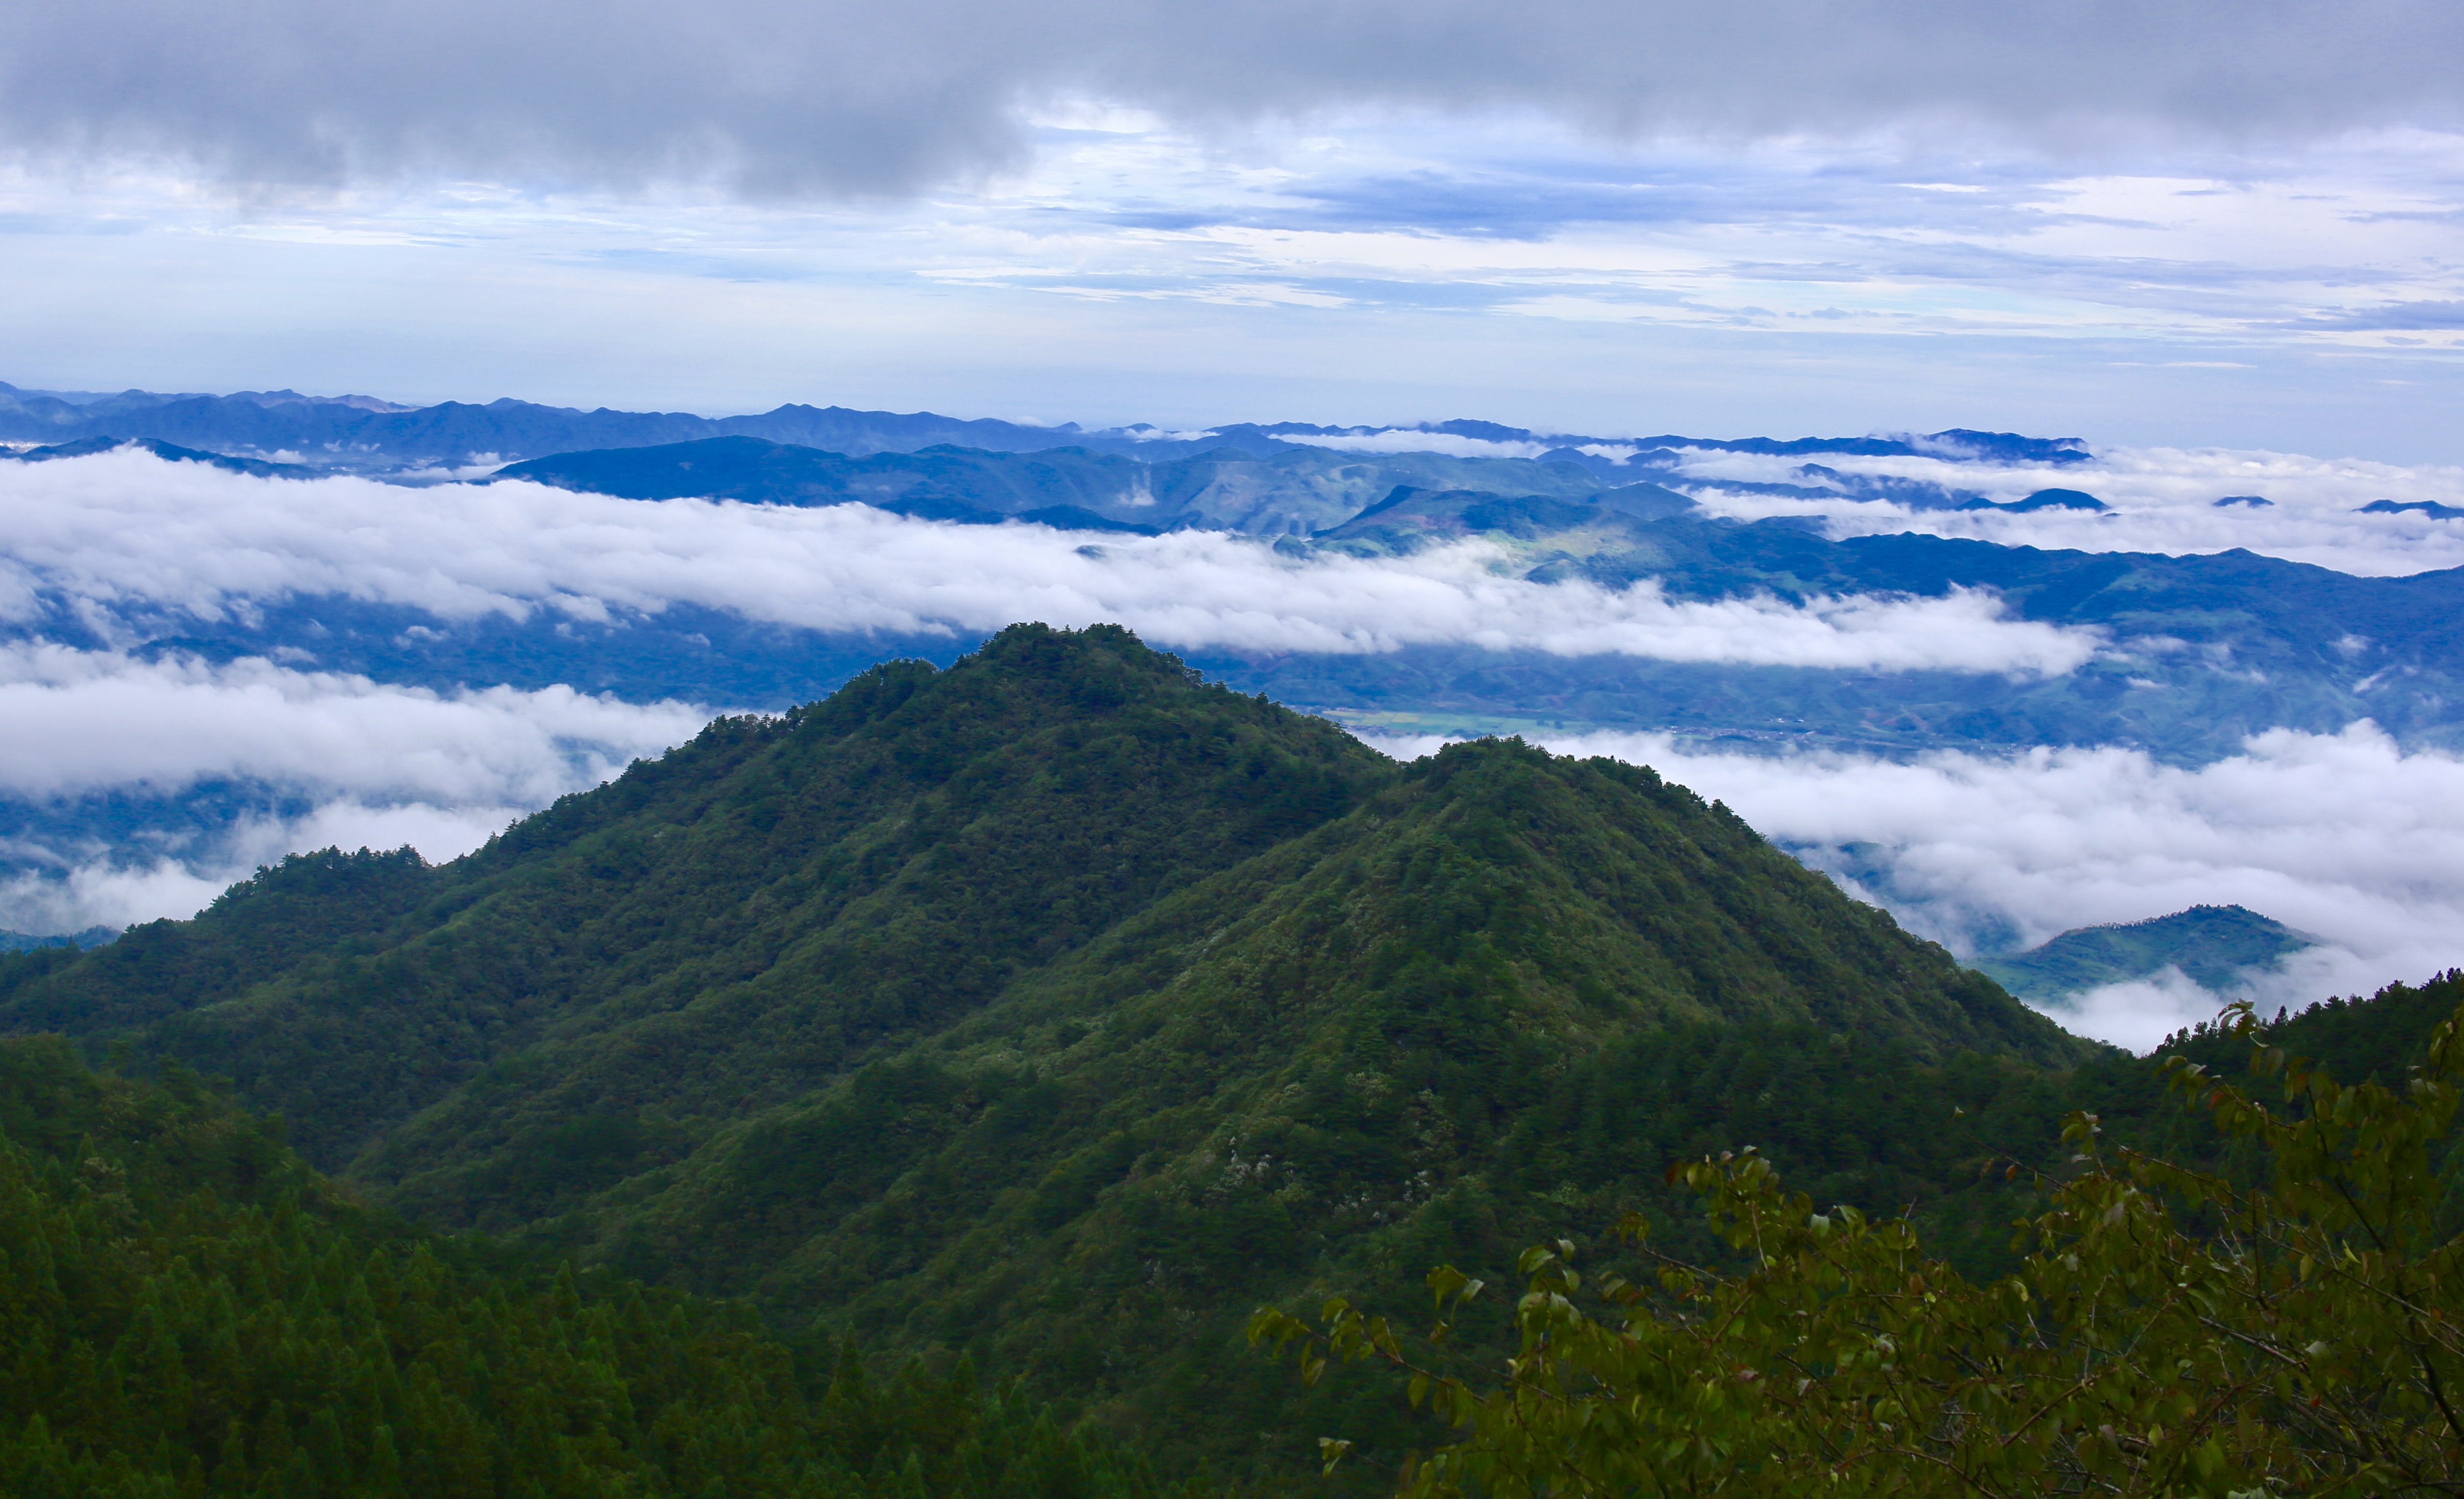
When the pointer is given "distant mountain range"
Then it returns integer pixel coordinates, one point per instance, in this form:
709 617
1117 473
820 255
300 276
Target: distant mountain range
362 434
2202 650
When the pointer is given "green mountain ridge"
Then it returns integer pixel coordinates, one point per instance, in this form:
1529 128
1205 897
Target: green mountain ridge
2215 946
1060 1007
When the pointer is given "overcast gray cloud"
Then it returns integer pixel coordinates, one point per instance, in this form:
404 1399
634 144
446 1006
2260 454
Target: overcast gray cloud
777 99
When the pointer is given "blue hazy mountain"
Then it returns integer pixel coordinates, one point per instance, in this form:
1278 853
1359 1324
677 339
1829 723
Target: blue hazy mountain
364 433
88 446
2215 946
1296 491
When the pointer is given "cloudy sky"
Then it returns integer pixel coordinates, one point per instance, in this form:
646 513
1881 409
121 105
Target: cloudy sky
2185 225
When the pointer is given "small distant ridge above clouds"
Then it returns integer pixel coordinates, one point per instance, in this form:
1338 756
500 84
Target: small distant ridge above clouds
2430 508
366 434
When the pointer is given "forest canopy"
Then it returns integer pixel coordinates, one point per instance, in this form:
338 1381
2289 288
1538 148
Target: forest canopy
2285 1315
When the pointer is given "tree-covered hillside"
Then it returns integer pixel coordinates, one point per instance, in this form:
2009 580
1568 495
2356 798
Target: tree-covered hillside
2267 1302
2215 946
1060 1007
189 1310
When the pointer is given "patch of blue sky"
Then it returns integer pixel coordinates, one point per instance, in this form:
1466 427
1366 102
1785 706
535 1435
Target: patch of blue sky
2405 316
1536 200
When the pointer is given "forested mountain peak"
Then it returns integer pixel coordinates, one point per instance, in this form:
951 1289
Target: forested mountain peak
1056 1004
865 867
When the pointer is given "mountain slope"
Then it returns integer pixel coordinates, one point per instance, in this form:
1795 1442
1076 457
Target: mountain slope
1062 1007
2212 945
1420 968
767 901
191 1309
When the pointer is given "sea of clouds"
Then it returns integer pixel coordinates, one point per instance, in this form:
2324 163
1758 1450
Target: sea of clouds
2345 836
124 534
375 765
2160 499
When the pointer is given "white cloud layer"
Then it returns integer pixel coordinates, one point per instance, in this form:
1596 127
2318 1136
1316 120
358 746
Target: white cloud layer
109 892
125 530
85 721
2342 836
379 766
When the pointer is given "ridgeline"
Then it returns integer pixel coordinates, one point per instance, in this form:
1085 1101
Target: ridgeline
1056 1009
